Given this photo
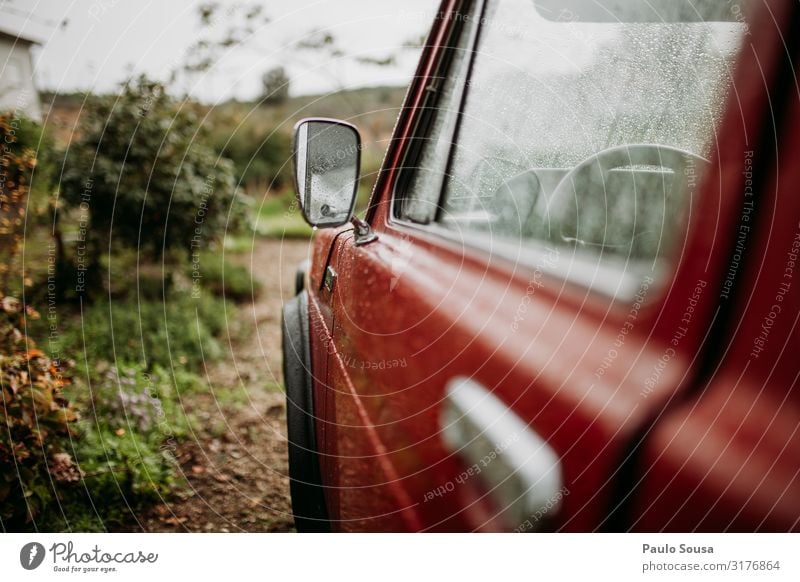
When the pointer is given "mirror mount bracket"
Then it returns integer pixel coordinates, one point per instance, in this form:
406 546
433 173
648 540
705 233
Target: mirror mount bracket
363 231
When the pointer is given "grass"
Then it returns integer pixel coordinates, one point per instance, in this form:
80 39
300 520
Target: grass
292 226
278 216
180 331
239 244
125 446
139 352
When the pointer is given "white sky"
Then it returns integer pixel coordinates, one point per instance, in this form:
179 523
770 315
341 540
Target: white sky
105 41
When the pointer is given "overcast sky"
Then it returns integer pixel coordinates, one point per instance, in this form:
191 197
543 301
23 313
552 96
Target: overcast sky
103 42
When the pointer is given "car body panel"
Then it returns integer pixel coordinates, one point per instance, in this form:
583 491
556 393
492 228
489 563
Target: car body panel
729 459
413 310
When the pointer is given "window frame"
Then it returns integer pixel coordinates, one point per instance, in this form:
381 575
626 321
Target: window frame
424 121
594 274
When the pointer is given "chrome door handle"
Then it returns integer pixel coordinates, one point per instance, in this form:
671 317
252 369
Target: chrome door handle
330 279
518 468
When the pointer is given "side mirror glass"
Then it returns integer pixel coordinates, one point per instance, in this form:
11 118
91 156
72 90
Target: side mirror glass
327 156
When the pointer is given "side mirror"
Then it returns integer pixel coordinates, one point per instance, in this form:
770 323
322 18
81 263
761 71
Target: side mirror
327 159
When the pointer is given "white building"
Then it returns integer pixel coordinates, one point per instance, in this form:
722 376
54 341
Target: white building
17 89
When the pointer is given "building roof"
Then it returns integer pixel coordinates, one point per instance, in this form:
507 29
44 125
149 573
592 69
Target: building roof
21 36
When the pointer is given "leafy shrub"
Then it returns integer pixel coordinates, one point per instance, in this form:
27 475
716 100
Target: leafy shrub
129 279
228 280
126 450
260 154
22 135
143 170
17 165
36 418
178 331
138 422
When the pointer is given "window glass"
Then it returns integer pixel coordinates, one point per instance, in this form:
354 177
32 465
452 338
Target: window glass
587 129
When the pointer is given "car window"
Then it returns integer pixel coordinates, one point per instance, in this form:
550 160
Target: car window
432 144
589 133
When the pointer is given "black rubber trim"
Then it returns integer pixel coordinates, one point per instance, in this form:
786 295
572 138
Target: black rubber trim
420 132
300 276
308 494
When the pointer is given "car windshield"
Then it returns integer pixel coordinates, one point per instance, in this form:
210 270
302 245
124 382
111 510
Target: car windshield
587 128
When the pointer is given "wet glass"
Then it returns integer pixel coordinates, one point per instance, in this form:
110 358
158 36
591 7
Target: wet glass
327 156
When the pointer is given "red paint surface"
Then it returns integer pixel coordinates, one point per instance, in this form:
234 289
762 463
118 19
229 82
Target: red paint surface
445 310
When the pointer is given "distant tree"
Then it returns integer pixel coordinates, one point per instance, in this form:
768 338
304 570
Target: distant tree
222 28
258 152
275 83
235 24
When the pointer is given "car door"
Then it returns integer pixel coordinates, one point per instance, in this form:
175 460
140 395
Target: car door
496 354
727 457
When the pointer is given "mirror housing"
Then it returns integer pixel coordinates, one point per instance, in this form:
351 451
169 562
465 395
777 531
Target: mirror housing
327 160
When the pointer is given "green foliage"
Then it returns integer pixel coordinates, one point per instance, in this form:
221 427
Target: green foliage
143 170
36 418
140 163
133 415
275 83
260 154
23 138
126 449
225 279
138 420
179 331
32 135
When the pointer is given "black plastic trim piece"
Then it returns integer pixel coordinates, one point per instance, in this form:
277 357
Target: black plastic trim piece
308 494
300 276
429 108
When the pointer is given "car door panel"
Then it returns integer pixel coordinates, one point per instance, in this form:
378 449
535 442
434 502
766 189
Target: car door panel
415 309
457 320
729 459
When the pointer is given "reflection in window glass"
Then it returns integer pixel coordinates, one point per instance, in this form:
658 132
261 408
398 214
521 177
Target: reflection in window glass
421 203
588 135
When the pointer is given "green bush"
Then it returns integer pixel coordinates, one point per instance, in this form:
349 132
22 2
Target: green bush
24 138
179 331
17 167
143 170
126 448
36 419
225 279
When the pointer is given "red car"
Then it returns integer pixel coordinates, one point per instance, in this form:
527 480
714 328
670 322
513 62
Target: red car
574 301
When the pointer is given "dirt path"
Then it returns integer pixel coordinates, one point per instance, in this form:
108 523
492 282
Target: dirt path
237 466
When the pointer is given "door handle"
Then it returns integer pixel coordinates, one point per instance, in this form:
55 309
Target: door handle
330 279
519 469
